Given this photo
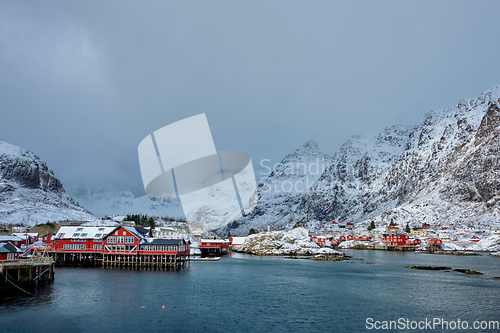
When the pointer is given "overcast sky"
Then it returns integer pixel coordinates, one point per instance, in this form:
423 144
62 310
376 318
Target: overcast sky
83 82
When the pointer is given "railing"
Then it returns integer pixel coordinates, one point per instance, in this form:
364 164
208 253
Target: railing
29 261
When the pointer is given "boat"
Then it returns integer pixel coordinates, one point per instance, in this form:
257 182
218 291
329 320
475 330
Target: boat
204 259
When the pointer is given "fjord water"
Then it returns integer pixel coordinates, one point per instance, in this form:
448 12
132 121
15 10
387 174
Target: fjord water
244 293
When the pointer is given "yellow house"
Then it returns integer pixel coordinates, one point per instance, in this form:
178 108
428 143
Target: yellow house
417 231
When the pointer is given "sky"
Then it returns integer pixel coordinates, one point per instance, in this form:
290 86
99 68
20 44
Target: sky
82 83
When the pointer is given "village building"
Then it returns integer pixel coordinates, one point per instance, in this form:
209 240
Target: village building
392 230
417 231
395 239
434 244
475 239
435 241
236 241
426 226
30 237
213 247
349 225
319 240
164 232
9 252
122 245
14 240
19 228
413 242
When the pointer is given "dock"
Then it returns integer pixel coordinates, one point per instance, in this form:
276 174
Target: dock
30 270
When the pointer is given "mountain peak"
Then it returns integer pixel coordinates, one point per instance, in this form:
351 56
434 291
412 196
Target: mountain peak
311 144
30 192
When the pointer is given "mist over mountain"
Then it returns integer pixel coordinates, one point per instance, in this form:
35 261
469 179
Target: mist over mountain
106 202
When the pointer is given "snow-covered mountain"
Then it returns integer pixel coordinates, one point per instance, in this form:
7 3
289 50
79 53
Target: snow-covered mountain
445 170
30 193
107 202
281 192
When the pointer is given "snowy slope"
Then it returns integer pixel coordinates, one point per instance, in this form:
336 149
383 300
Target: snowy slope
106 202
30 193
281 192
444 171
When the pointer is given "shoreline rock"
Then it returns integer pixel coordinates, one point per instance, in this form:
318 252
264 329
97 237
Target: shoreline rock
467 271
429 268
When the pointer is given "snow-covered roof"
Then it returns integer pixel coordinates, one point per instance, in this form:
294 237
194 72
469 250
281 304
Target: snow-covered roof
238 240
84 232
158 241
8 248
214 241
135 232
23 235
10 238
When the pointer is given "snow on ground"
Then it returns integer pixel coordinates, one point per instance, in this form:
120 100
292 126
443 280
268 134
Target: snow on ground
282 243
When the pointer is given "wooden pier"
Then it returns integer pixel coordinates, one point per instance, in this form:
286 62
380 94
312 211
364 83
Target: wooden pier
26 271
121 260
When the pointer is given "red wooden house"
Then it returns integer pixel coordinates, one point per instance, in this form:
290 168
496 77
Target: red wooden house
342 238
165 247
14 240
9 252
49 239
413 242
214 244
435 241
350 237
320 240
121 240
395 240
475 239
116 240
81 239
30 237
365 237
215 247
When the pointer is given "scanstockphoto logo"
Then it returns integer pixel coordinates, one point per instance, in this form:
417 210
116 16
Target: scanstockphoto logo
180 161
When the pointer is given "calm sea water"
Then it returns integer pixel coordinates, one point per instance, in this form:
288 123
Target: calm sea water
244 293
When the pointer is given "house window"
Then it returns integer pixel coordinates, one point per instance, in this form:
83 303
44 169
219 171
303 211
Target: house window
61 235
111 239
83 235
119 239
10 256
100 229
79 229
116 232
97 236
76 235
124 233
129 240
